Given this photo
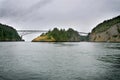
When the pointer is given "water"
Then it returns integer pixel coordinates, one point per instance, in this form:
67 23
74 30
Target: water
59 61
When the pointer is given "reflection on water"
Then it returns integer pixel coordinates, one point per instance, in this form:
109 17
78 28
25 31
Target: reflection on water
59 61
65 44
112 65
111 61
114 48
115 59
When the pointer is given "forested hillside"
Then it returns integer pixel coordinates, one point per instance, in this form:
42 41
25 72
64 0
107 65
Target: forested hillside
8 33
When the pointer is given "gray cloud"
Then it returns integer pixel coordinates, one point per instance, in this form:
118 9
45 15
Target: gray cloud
11 9
34 8
82 15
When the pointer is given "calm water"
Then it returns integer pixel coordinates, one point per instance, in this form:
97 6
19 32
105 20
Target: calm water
59 61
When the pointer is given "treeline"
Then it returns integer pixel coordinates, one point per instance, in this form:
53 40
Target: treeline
84 38
8 33
106 24
63 35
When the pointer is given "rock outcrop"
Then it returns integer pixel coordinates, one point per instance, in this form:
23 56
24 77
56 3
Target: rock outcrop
57 35
108 31
8 33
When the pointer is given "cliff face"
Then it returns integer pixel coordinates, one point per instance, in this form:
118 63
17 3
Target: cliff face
8 33
109 34
57 35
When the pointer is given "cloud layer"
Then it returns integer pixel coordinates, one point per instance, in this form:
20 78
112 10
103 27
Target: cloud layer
82 15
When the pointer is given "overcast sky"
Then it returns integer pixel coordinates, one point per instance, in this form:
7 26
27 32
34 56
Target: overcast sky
81 15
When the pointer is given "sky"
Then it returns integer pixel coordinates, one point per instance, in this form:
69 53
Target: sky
81 15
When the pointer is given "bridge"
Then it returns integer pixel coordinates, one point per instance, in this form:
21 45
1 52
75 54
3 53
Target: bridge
26 32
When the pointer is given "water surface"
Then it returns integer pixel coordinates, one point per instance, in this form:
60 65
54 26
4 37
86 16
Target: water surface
59 61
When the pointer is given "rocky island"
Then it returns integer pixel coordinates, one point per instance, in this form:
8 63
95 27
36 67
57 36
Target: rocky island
57 35
8 33
108 31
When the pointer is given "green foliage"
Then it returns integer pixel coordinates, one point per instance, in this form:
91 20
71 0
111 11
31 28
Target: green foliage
106 25
8 33
115 36
84 38
63 35
118 30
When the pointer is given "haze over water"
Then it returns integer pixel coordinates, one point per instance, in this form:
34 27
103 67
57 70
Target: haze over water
59 61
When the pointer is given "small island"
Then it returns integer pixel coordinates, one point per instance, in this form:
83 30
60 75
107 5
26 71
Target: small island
57 35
